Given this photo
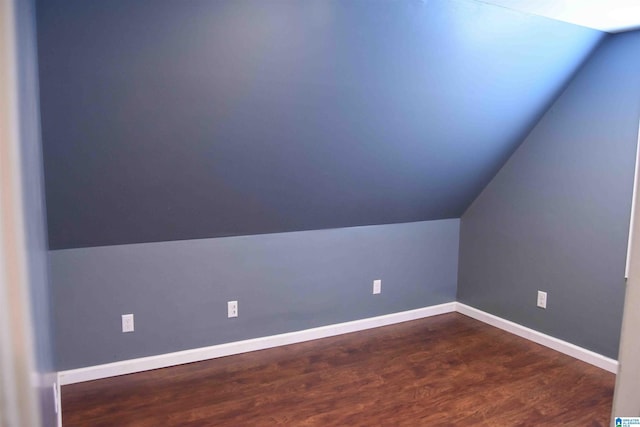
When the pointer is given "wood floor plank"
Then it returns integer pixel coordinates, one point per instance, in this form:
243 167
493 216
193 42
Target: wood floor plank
443 370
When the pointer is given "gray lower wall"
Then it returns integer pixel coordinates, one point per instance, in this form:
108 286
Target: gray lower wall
556 217
283 282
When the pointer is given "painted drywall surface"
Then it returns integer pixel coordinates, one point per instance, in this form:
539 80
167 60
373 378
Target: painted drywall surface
178 291
34 208
556 217
169 120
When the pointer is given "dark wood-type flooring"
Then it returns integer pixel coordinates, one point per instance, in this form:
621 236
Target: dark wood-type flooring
446 370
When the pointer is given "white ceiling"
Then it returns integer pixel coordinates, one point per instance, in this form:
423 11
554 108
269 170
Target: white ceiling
605 15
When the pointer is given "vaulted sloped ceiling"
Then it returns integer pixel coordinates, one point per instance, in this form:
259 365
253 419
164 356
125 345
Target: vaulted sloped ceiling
166 120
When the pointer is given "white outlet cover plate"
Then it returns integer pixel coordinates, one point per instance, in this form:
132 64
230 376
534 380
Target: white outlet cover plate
232 309
377 286
542 299
127 323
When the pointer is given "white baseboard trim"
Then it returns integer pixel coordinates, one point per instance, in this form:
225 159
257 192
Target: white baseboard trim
569 349
199 354
205 353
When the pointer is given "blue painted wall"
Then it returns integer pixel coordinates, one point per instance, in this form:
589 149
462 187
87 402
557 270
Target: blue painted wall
556 217
166 120
284 282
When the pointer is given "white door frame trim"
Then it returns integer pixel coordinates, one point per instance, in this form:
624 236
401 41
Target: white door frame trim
18 399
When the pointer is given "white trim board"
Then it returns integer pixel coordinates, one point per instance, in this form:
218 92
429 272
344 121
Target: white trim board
633 207
565 347
205 353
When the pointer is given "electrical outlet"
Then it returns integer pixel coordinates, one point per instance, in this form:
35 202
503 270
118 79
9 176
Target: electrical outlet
542 299
232 309
127 323
377 286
